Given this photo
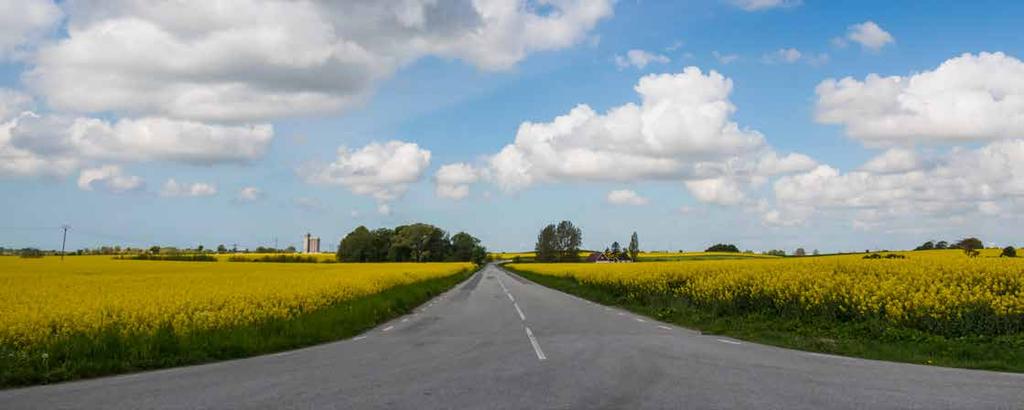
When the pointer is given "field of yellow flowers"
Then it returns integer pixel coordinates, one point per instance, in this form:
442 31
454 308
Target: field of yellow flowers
939 292
44 303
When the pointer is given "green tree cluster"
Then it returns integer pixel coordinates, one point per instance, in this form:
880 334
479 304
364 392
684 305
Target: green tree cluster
417 242
722 247
559 243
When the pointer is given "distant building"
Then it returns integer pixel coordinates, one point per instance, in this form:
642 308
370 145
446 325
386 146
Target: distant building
310 244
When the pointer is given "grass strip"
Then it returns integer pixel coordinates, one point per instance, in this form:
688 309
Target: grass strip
113 352
865 339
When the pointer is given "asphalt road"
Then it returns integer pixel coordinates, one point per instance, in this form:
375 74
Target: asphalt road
498 341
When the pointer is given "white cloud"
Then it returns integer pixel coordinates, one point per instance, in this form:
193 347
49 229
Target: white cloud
13 103
725 58
257 60
25 22
383 171
869 35
109 177
682 129
783 55
173 188
720 191
897 185
970 97
249 194
626 197
144 139
640 59
18 162
755 5
384 209
452 180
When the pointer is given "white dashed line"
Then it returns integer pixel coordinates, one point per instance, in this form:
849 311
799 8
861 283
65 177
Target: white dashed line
405 320
622 314
729 342
640 320
387 328
664 327
283 354
536 346
358 338
519 311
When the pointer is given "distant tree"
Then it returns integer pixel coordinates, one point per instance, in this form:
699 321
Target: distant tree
222 249
199 249
290 249
800 252
616 248
815 253
154 249
559 243
634 247
721 247
970 246
466 248
776 252
357 246
941 245
926 246
569 239
1009 252
547 246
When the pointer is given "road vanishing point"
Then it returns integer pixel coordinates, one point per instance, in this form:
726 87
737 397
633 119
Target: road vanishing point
498 341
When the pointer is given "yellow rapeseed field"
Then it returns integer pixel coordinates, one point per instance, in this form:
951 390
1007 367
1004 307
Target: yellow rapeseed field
44 299
943 292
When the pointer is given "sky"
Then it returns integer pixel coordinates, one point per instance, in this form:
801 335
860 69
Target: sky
770 124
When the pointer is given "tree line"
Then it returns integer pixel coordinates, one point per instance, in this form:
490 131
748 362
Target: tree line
416 242
559 243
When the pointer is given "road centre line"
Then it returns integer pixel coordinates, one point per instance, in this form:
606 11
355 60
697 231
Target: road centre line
519 311
387 328
729 341
536 346
640 320
358 338
664 327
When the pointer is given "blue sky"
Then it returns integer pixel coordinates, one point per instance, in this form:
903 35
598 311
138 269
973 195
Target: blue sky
464 99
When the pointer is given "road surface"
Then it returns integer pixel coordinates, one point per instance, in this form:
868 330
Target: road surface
499 341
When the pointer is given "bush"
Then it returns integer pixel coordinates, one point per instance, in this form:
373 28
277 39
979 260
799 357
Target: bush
721 247
1009 252
180 257
276 259
30 253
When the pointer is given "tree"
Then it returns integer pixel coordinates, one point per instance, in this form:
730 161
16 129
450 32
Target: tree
1009 252
463 246
634 247
222 249
926 246
616 248
815 253
721 247
357 246
800 252
199 249
547 244
154 249
970 246
941 245
569 239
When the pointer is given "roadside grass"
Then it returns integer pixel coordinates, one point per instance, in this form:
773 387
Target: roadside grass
864 339
113 351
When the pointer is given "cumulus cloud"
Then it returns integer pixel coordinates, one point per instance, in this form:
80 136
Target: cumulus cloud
25 22
382 171
639 59
626 197
970 97
256 60
756 5
869 35
110 178
249 194
783 55
897 184
452 180
720 191
173 188
144 139
18 162
681 129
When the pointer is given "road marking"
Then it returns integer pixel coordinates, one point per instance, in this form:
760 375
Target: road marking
729 342
519 311
358 338
622 314
283 354
387 328
664 327
405 320
511 298
536 346
640 320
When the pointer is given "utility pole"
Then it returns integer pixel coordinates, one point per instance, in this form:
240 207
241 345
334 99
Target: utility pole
64 241
275 243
